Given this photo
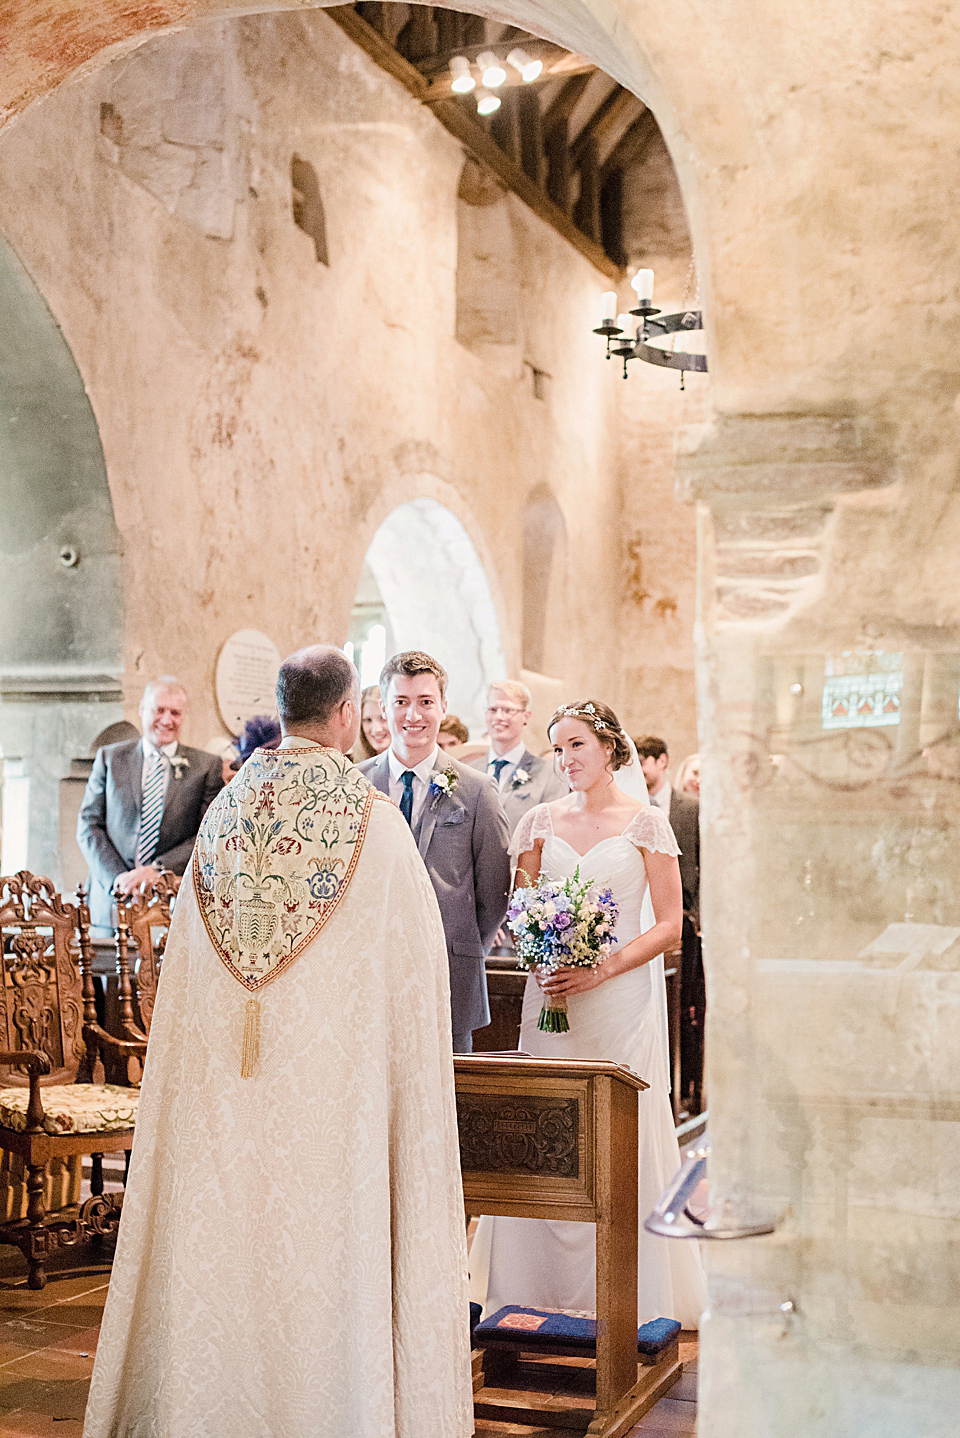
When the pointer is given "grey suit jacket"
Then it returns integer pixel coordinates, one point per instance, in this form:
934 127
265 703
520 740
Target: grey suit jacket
109 819
685 823
542 787
463 840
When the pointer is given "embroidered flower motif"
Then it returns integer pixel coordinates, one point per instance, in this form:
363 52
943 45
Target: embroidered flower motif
324 884
179 762
442 783
520 777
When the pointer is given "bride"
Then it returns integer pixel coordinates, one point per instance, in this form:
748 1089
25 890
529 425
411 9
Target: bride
609 830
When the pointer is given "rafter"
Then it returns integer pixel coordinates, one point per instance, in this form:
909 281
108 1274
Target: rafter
619 110
575 186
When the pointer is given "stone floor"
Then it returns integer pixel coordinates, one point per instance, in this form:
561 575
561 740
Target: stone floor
47 1342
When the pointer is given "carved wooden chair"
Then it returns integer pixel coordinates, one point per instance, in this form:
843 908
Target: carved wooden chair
143 922
48 1027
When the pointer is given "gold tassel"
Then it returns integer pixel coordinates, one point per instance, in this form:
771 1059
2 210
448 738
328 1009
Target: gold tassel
251 1039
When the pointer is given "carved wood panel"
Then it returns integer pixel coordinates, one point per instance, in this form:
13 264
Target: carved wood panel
519 1134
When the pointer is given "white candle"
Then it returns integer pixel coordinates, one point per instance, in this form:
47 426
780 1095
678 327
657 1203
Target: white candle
642 282
609 304
625 323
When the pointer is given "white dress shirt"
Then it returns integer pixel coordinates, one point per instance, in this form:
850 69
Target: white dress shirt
662 798
513 759
421 782
166 754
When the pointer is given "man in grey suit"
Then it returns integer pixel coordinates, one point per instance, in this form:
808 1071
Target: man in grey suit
458 823
522 779
144 802
683 811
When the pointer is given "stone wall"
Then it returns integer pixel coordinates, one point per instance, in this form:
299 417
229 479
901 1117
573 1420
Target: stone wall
262 410
815 147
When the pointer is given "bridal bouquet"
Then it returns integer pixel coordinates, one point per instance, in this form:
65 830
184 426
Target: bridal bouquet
557 924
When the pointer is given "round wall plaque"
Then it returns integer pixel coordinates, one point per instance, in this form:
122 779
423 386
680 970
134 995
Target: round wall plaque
247 668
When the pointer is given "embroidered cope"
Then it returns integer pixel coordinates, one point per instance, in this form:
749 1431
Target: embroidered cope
275 854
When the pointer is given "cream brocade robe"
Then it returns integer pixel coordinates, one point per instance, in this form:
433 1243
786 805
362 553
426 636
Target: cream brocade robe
292 1258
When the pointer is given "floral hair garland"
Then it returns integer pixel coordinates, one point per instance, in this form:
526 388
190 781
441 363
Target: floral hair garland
587 712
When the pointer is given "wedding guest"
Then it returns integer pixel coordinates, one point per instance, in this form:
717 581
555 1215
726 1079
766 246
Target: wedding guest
144 802
687 779
523 780
683 811
458 823
453 733
301 1064
374 734
260 732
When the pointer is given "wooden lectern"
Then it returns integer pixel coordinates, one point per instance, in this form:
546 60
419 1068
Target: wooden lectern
548 1138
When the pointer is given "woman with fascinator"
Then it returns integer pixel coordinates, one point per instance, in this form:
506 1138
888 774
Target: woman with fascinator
607 829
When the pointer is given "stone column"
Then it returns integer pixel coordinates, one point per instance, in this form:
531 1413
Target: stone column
831 911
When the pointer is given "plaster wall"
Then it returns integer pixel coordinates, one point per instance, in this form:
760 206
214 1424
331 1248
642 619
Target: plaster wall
815 147
261 413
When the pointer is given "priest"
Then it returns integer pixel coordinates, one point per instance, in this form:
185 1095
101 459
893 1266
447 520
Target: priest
291 1259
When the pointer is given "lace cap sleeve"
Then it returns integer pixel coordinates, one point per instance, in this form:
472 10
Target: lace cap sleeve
535 825
651 830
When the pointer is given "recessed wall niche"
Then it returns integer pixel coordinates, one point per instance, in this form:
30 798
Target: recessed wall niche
308 206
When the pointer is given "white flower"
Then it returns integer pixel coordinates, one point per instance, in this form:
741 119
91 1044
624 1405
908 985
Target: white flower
444 782
520 777
179 762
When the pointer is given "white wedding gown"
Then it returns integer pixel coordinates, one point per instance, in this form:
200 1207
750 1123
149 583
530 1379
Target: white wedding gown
552 1264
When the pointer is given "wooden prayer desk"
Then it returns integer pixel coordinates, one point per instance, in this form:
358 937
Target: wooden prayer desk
548 1138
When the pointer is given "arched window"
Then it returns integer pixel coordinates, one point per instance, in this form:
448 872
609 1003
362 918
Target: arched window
308 206
423 568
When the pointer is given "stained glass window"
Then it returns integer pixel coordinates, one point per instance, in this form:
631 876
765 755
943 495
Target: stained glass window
861 689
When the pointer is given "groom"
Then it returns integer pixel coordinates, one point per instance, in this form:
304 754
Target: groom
458 823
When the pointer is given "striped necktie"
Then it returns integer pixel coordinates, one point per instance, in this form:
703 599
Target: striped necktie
151 810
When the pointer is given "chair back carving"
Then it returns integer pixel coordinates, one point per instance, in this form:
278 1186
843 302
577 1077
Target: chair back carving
41 998
143 921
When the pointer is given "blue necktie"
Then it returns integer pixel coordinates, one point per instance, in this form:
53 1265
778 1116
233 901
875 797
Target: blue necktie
498 766
151 810
406 801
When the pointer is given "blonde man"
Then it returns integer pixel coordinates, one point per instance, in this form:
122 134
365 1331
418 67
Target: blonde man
521 778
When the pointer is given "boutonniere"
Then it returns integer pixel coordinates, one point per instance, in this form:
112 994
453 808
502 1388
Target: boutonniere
443 783
520 777
178 763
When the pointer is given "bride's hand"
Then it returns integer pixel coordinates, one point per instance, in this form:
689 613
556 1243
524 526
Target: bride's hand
570 981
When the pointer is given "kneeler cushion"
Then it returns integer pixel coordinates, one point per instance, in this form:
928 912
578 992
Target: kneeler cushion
532 1327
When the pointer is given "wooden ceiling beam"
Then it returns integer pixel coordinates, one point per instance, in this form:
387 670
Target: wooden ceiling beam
632 146
458 120
621 109
474 138
370 40
563 106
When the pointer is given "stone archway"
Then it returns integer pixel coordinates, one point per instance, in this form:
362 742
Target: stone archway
833 1090
437 597
61 605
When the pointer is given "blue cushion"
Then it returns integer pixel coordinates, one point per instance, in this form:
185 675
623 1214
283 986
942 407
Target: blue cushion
532 1327
475 1312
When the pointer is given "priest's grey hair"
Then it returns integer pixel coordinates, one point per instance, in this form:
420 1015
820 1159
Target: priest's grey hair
314 682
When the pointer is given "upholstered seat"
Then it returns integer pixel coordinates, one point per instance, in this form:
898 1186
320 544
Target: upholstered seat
73 1108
